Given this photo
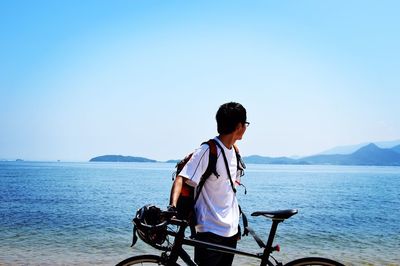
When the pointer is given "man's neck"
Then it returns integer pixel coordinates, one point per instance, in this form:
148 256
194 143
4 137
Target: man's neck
227 140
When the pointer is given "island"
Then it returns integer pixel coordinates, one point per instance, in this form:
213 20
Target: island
121 158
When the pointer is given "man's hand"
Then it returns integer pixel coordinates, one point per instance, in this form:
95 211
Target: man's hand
171 208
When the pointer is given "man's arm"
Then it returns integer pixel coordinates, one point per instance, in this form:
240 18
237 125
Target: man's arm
176 190
193 168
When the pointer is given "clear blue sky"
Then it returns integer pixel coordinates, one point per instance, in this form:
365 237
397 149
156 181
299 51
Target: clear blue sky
144 78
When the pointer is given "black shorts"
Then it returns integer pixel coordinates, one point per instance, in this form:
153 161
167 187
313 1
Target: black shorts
207 257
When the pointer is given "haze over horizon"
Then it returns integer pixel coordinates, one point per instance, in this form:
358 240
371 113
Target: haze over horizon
346 149
82 79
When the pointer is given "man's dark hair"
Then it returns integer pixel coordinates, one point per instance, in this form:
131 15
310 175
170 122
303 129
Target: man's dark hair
229 115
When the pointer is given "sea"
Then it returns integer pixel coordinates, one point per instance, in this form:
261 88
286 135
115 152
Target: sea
64 213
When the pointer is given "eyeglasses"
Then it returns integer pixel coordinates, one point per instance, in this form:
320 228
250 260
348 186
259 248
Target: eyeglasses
247 124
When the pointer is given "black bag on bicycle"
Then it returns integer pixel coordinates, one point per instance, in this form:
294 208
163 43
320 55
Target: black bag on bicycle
150 226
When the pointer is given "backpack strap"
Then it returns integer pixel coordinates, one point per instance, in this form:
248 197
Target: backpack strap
211 167
240 163
240 167
226 165
212 159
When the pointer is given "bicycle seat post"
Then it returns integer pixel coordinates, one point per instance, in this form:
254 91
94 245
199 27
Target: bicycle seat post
268 249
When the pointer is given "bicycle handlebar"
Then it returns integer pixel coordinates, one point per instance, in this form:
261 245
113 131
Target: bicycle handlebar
169 218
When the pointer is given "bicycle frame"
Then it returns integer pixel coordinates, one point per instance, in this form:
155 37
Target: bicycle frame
181 240
174 250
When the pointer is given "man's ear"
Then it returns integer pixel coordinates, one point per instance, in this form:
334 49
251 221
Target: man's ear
238 126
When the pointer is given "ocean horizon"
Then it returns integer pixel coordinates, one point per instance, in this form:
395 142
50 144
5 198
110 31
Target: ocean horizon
79 213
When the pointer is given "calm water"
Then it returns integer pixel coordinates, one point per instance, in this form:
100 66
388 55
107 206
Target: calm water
80 213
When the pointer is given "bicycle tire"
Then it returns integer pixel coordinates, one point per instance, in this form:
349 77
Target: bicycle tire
143 260
314 261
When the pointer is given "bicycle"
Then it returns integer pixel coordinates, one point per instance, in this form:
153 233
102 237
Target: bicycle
157 230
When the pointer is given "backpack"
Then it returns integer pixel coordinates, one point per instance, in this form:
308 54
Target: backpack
187 198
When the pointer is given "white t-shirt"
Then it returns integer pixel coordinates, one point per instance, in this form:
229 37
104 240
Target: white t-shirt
217 209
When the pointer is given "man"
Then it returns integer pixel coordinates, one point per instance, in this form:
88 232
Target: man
217 210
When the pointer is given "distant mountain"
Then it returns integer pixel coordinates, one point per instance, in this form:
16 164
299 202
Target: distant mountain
369 154
387 144
256 159
373 155
120 158
348 149
326 159
396 148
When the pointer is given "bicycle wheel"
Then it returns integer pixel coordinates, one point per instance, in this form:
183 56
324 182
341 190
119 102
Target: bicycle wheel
143 260
314 261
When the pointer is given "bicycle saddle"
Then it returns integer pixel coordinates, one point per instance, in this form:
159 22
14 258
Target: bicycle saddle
276 215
